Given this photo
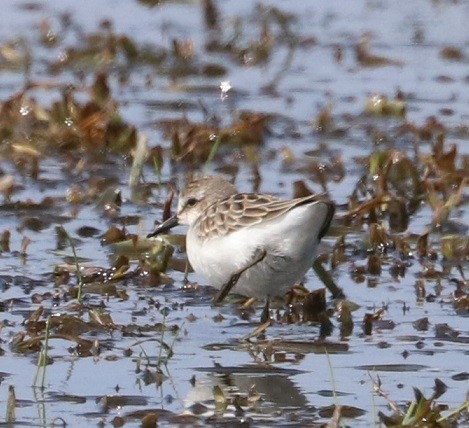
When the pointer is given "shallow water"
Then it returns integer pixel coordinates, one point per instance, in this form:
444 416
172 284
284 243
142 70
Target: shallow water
295 379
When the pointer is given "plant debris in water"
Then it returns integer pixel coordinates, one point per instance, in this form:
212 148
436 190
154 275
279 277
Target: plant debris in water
80 180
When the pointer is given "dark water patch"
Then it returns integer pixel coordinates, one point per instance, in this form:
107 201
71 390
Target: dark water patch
59 396
117 401
284 346
4 376
461 376
248 370
348 412
331 393
393 367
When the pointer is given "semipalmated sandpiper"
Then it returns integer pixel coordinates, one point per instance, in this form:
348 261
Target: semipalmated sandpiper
248 243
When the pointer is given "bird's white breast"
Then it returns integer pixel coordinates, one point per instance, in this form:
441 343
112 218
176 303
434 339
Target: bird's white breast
290 242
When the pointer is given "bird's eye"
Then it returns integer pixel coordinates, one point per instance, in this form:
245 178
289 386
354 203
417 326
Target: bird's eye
191 202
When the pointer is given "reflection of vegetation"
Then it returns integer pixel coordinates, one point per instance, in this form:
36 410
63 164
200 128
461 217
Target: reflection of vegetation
43 356
78 269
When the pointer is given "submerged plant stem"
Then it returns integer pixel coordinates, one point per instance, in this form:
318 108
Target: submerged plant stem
140 154
213 152
334 387
77 265
448 414
11 405
42 357
45 352
162 340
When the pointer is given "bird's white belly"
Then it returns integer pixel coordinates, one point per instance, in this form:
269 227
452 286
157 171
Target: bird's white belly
290 248
218 259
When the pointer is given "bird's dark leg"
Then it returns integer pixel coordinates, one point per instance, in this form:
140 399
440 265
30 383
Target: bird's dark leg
327 280
228 286
265 315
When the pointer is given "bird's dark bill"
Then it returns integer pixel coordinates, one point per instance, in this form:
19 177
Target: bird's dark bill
164 227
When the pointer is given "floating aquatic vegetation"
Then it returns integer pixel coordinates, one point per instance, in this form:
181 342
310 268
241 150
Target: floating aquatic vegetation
422 411
194 142
452 53
66 125
105 48
380 105
15 55
273 27
455 248
323 121
367 59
